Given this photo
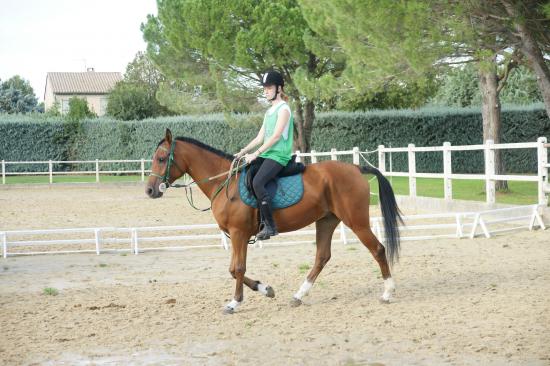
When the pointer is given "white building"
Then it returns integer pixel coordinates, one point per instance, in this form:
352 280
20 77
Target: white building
92 86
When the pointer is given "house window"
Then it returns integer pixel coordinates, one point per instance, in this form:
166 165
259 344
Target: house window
64 106
103 106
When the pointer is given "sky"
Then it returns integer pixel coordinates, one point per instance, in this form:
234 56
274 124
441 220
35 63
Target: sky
41 36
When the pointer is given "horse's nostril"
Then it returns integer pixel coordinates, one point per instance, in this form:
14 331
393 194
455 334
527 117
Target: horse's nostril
149 191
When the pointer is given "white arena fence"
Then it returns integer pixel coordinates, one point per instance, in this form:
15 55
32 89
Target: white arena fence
97 171
489 176
140 239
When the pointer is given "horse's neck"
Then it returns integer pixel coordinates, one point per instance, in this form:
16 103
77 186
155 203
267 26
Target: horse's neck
203 164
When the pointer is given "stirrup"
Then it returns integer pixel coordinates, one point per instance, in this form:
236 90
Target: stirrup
266 232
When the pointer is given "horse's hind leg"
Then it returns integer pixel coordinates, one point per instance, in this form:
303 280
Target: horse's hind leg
378 251
324 229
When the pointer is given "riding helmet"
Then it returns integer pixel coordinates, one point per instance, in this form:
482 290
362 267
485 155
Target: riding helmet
273 78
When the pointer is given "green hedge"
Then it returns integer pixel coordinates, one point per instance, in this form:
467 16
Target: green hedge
432 127
38 138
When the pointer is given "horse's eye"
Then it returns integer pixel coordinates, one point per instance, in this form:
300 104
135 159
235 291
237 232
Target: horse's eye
161 160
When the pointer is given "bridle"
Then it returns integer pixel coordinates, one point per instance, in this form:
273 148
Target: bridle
165 184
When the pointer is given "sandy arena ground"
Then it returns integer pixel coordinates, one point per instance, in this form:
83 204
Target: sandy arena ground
458 302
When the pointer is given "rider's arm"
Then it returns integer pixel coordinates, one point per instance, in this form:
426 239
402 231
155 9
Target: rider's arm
257 140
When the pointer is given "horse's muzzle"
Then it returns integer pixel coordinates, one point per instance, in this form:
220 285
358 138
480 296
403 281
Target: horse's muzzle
153 191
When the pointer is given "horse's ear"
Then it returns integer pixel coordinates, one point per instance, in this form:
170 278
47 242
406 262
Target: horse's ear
168 136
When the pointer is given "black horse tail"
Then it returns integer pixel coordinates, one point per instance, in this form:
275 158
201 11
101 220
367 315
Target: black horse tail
390 212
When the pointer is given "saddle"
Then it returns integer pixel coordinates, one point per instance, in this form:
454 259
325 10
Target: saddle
286 189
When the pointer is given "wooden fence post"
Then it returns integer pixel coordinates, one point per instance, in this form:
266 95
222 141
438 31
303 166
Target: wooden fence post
356 155
542 158
490 171
333 155
447 171
381 159
313 157
50 170
412 171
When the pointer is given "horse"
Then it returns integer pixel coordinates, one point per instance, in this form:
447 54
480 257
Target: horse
334 192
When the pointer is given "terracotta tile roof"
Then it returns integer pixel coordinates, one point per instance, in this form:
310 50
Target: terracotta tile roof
89 82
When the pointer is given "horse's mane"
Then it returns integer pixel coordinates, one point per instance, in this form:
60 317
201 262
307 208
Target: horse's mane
202 145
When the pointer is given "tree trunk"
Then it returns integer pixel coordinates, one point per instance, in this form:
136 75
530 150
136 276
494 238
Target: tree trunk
490 111
532 52
303 124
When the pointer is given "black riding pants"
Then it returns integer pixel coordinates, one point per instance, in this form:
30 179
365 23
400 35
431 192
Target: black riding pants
267 171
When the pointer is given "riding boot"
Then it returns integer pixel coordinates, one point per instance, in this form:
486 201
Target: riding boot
269 229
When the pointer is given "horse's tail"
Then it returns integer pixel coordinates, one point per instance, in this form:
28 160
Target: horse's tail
390 211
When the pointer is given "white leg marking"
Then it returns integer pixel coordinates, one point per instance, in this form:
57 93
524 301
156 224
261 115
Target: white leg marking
262 288
389 287
304 289
233 304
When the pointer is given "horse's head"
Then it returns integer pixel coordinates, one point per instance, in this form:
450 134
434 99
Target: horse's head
164 169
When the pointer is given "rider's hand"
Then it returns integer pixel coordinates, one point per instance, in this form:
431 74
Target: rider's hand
240 154
251 157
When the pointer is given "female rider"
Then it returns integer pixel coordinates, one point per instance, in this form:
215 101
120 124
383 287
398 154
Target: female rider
275 150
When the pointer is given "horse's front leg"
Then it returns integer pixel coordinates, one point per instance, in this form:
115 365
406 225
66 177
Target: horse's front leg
239 246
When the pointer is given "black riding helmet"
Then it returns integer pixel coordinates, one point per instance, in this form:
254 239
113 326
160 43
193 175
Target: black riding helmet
273 78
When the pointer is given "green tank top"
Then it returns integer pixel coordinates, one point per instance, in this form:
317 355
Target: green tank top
281 151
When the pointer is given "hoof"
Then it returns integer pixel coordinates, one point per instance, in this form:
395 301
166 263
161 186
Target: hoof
228 310
384 301
270 292
295 302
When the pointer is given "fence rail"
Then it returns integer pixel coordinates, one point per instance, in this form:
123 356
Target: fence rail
489 176
97 169
459 225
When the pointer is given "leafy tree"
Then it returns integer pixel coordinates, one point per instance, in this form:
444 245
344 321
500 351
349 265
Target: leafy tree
17 82
412 40
460 88
223 47
390 95
136 96
40 108
78 110
54 110
387 52
527 25
17 96
182 99
143 72
72 128
522 87
130 102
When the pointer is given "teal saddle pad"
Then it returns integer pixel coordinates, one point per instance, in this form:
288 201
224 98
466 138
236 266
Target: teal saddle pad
289 191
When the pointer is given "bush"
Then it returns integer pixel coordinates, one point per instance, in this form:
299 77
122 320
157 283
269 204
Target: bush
34 138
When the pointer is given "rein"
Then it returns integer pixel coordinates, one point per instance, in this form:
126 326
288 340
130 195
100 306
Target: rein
235 167
189 190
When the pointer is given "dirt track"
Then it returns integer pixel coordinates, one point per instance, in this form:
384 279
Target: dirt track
482 301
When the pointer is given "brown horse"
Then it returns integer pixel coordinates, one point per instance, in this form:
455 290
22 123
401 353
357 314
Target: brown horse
333 192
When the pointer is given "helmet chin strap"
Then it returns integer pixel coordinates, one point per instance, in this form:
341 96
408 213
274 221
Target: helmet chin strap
276 93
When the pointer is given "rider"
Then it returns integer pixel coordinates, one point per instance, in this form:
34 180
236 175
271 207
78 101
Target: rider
275 151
